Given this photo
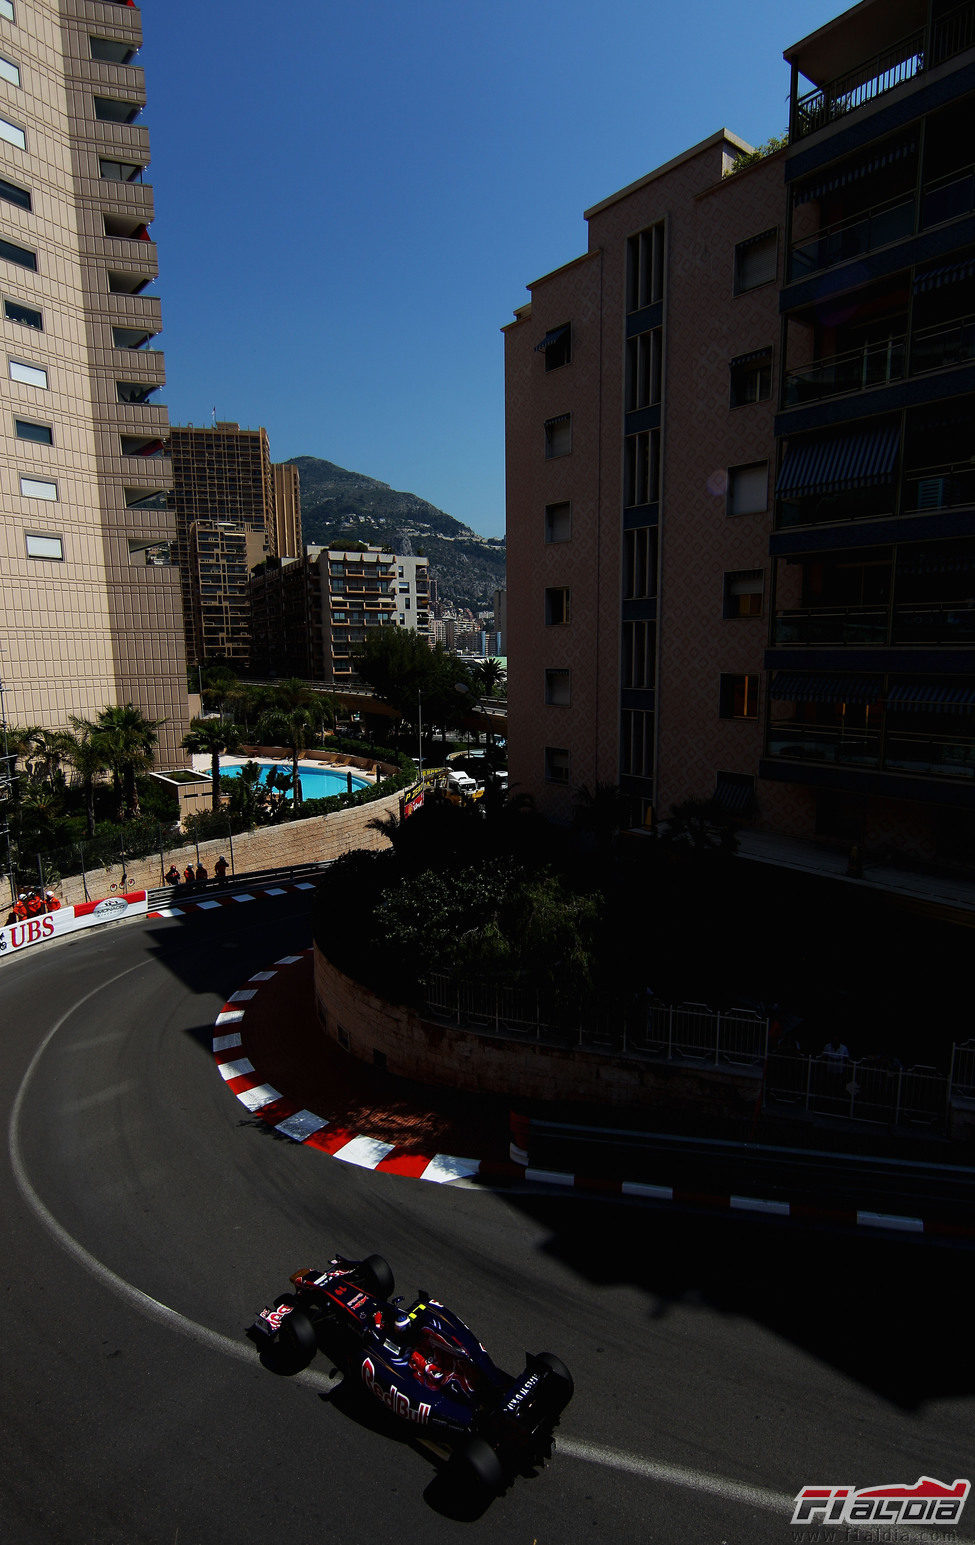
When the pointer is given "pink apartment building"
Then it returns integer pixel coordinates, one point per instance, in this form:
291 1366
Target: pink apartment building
640 384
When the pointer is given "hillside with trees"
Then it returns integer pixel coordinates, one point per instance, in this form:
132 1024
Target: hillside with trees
338 506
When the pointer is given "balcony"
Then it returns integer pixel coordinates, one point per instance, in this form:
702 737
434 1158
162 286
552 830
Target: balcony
852 237
874 364
870 79
825 743
884 71
830 626
938 348
939 488
940 757
934 622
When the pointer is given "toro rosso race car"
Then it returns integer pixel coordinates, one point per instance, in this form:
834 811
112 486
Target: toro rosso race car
424 1365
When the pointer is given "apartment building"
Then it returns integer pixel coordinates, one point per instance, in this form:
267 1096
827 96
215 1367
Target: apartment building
741 511
870 709
286 539
639 437
308 616
90 608
224 503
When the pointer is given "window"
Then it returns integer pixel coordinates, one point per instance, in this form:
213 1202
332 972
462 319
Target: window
557 688
558 435
638 654
41 546
748 489
26 315
9 71
743 593
639 563
556 607
12 194
28 375
641 467
556 346
643 357
110 110
13 135
645 267
119 171
134 391
41 434
636 743
7 9
558 522
152 553
751 378
739 697
22 256
756 261
32 488
110 51
556 765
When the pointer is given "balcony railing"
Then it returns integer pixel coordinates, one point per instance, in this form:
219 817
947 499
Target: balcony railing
834 625
948 197
876 364
871 79
938 348
953 33
824 743
943 756
853 236
935 622
939 488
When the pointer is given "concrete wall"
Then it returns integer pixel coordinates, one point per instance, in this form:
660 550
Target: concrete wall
298 842
434 1053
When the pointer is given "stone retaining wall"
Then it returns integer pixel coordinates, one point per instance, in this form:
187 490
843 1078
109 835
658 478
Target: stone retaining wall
433 1053
317 840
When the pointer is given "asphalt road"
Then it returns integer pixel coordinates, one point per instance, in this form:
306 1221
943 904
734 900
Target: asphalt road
719 1364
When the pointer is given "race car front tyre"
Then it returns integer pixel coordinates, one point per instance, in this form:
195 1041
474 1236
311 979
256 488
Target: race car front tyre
376 1276
297 1338
476 1467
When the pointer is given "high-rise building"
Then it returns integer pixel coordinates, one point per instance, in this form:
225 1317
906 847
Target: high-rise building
286 538
741 511
222 479
89 597
307 616
870 735
639 386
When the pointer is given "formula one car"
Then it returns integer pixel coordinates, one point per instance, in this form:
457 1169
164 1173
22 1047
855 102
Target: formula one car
425 1366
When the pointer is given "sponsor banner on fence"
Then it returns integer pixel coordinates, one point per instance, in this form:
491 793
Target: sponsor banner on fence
49 925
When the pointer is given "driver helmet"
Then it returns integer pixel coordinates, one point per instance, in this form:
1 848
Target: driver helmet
399 1323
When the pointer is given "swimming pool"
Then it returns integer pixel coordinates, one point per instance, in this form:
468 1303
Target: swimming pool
316 782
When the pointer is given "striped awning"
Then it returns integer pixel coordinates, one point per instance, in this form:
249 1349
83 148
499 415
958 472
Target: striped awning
843 176
950 273
863 460
552 337
942 699
801 687
749 359
734 792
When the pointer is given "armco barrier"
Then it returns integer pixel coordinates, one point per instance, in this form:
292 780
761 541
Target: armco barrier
19 936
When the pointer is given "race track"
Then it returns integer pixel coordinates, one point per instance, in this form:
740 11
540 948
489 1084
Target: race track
720 1364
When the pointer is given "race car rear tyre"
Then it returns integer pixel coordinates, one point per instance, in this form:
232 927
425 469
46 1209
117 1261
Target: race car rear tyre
476 1467
297 1338
376 1276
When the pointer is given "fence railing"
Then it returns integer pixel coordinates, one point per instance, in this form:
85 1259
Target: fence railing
651 1030
870 79
876 1090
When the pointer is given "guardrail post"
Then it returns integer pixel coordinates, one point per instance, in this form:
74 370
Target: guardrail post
897 1102
670 1032
808 1082
853 1088
717 1037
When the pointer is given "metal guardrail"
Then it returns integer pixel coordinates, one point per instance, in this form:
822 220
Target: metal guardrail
876 1090
689 1033
172 895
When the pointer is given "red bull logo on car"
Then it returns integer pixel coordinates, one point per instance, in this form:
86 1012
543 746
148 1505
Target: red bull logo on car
398 1403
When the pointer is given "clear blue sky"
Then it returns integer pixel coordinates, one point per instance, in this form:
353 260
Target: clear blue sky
352 197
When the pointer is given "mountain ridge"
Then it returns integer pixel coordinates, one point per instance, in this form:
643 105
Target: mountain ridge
339 505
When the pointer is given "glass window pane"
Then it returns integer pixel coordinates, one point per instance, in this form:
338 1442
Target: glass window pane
9 71
29 375
43 434
13 135
33 488
44 546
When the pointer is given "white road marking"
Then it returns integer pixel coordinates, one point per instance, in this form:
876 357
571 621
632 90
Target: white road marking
302 1125
229 1016
444 1167
229 1070
364 1151
259 1096
225 1042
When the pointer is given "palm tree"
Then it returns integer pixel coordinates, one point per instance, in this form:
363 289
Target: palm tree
294 728
129 739
211 737
89 757
488 673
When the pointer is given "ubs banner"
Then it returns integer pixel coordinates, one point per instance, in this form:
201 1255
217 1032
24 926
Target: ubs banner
34 930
